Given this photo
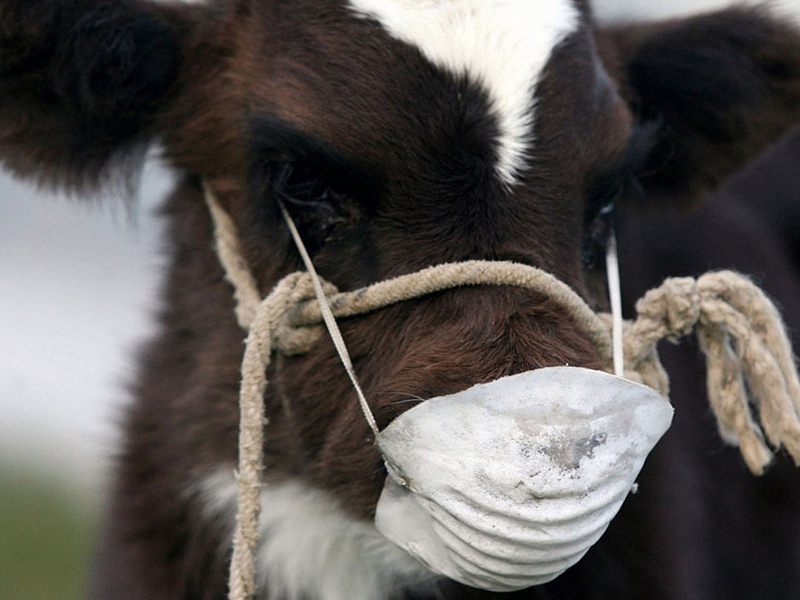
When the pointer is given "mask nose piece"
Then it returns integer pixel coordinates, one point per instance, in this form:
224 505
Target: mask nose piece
507 484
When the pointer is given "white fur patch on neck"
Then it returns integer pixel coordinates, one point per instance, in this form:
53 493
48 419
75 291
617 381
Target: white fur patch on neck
503 45
310 549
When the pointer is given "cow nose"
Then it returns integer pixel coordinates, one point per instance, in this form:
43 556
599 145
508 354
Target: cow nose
507 484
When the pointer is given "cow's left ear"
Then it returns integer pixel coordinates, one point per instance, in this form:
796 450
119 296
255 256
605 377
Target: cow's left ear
720 88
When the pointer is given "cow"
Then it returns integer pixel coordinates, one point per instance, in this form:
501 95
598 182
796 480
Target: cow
401 134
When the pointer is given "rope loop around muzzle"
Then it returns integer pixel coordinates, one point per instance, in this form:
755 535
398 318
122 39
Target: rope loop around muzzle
748 355
752 380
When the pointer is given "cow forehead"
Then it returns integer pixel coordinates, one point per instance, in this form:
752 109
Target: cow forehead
501 45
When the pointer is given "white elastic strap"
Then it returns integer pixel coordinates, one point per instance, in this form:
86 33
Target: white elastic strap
615 296
330 320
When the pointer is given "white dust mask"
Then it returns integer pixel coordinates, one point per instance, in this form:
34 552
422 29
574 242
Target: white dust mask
508 484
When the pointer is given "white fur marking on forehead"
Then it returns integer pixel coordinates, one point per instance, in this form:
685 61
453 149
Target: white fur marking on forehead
503 45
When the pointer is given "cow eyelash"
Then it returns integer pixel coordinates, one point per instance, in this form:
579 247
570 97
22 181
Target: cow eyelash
596 237
600 216
610 188
314 203
299 185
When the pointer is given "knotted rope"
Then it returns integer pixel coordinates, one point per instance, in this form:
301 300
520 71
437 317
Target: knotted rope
748 354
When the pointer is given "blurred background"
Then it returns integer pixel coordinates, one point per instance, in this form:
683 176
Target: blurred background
78 290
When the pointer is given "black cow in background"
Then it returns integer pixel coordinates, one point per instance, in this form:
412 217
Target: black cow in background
722 532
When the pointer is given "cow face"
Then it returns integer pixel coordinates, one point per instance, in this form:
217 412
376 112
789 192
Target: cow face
402 135
399 134
396 148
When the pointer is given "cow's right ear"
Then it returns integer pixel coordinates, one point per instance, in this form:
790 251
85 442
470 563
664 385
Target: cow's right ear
717 89
82 83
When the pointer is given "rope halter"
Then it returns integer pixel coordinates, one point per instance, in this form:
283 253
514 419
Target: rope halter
749 360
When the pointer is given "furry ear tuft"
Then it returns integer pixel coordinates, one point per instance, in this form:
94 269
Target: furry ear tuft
81 83
723 86
113 67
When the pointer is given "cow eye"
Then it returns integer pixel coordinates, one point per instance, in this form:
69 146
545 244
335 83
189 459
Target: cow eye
599 219
313 202
618 185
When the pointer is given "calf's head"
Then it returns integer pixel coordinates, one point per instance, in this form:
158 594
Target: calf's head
399 134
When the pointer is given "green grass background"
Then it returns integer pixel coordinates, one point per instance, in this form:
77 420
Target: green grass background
46 537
